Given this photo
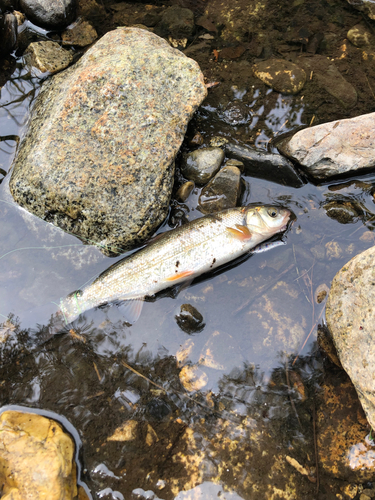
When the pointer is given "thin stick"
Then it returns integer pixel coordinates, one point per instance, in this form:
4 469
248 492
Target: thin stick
97 372
162 388
264 287
307 338
289 393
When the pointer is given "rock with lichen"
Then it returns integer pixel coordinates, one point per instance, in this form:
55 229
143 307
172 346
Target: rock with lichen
98 157
350 318
36 458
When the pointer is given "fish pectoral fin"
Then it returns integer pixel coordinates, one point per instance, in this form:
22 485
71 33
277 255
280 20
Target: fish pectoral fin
240 232
182 274
131 309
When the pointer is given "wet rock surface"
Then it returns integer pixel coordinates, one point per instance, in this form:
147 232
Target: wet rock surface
334 148
283 76
265 165
345 450
36 458
80 35
190 319
350 319
8 32
329 78
48 57
49 13
202 164
223 191
103 168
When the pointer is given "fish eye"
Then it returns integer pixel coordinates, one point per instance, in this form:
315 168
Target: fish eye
272 212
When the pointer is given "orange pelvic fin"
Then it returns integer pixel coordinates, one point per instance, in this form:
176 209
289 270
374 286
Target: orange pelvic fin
240 232
182 274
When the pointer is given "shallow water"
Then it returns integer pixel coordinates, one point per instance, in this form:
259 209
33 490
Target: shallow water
259 341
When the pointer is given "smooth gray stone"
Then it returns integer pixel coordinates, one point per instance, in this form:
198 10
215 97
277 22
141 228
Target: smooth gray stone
350 315
50 14
222 192
202 164
269 166
334 148
98 157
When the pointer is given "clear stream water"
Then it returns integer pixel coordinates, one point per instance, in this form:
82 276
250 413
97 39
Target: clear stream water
259 314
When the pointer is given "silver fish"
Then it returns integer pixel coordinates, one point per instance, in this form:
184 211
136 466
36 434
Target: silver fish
176 256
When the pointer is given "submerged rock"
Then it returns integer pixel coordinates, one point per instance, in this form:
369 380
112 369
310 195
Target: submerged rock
283 76
330 149
202 164
49 13
222 192
80 35
345 452
269 166
366 6
178 22
184 191
36 458
359 36
328 77
98 157
8 33
190 319
48 57
350 318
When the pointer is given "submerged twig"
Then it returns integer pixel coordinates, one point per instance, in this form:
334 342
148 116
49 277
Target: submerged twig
162 388
289 393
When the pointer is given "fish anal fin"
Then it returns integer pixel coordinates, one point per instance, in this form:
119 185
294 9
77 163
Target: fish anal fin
240 232
131 309
180 275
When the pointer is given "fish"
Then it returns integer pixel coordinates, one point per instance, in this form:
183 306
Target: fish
176 256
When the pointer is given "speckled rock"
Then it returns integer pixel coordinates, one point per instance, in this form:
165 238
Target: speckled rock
98 157
330 149
80 35
345 451
350 317
36 458
49 13
202 164
48 57
223 191
283 76
325 73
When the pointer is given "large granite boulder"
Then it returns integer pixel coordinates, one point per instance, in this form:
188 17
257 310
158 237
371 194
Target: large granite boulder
350 317
36 458
98 156
334 148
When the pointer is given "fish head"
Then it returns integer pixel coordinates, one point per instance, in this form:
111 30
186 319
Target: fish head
267 220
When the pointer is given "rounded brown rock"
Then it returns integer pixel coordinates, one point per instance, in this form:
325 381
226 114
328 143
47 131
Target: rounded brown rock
283 76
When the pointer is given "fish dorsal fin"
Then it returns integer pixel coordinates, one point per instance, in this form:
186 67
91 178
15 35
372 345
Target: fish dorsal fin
131 309
240 232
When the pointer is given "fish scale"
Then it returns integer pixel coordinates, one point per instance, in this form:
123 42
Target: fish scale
175 256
